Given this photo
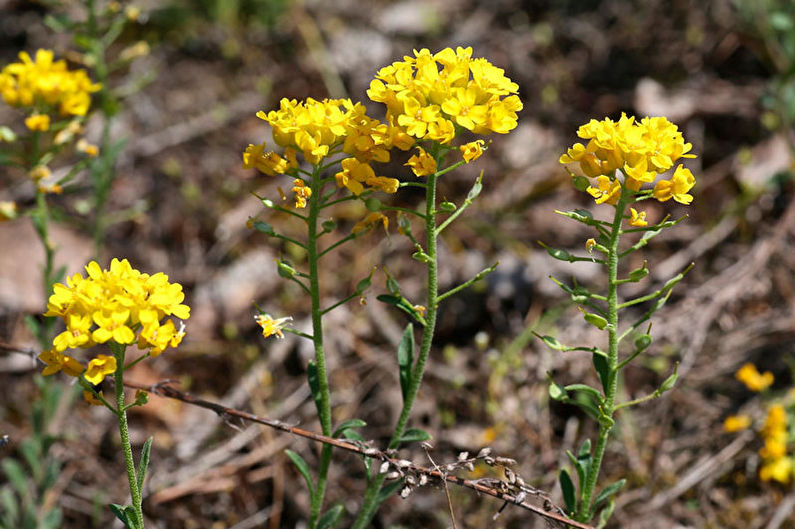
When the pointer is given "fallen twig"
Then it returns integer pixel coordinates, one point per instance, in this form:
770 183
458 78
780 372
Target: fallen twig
165 389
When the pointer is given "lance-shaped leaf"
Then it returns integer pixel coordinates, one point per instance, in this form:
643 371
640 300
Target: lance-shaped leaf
405 357
607 493
602 368
331 518
303 468
143 464
402 303
569 495
350 424
414 435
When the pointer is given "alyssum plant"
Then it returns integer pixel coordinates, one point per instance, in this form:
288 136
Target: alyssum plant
623 163
431 100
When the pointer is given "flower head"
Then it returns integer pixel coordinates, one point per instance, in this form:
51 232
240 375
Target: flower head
637 219
736 423
120 305
753 379
429 95
40 80
641 150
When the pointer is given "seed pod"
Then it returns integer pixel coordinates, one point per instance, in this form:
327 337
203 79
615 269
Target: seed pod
463 455
392 475
405 492
384 467
505 461
484 452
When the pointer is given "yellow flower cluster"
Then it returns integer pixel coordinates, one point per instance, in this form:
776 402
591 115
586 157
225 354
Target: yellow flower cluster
43 81
113 305
318 129
753 379
431 95
642 151
776 464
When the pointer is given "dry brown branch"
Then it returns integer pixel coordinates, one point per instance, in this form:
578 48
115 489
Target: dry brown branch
164 389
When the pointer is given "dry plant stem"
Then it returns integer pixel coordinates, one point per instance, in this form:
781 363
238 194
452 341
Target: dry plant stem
324 400
606 419
163 389
121 415
370 503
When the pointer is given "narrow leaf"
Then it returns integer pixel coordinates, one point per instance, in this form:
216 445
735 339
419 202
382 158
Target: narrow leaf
606 513
405 357
388 490
608 493
602 369
303 468
569 496
413 435
332 516
347 425
314 382
143 464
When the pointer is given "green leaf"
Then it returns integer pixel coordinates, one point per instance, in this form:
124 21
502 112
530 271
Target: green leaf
608 493
52 520
569 496
405 357
414 435
125 513
264 227
402 304
143 464
314 382
606 513
586 403
348 425
364 284
581 183
16 475
10 510
332 516
602 369
388 490
303 468
557 253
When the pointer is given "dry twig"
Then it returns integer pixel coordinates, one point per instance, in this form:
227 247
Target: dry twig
518 499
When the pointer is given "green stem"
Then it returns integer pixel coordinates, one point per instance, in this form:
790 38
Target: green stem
121 415
370 503
323 401
606 420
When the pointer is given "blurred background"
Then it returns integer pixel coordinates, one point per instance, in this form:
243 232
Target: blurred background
724 71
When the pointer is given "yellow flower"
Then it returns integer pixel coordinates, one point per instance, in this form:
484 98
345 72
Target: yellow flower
114 305
641 150
99 368
637 219
422 164
589 244
606 190
57 361
302 192
270 326
38 122
471 151
736 423
8 210
269 163
40 172
42 81
87 148
752 379
780 470
369 221
429 94
677 187
355 175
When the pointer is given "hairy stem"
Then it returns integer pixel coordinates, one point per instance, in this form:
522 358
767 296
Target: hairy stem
323 401
121 415
606 420
370 503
